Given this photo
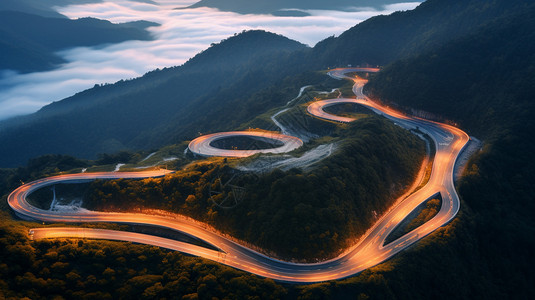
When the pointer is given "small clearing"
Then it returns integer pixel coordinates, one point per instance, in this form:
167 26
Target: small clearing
474 146
287 162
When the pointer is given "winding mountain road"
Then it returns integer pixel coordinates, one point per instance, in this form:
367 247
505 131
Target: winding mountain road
368 252
203 144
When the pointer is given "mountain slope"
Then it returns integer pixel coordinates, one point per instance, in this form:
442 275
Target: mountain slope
45 8
175 104
382 39
29 42
42 8
488 74
109 118
484 82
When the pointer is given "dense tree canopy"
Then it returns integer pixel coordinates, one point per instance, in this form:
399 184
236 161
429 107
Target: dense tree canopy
295 214
485 252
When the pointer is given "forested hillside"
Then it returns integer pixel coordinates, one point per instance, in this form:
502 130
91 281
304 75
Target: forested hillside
240 77
482 80
485 83
59 269
227 84
488 74
28 42
42 8
295 214
381 40
234 73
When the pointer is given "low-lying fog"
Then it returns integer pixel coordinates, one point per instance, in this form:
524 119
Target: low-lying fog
182 34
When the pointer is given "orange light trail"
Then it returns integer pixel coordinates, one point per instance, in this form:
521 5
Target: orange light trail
368 252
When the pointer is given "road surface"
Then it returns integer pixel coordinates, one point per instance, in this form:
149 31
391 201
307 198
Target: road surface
369 251
202 145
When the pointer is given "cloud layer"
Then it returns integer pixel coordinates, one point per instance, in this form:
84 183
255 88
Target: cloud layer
182 34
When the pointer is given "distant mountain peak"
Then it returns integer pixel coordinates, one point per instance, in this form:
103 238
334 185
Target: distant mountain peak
236 49
29 42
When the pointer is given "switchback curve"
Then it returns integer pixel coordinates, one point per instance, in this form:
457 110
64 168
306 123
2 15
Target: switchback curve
369 251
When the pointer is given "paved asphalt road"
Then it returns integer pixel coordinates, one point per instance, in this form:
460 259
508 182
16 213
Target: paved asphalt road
368 252
202 145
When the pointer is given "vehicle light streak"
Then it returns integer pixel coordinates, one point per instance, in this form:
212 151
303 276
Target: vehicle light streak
368 252
202 145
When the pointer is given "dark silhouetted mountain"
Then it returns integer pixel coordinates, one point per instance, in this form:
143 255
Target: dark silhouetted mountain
488 74
42 8
28 42
175 104
159 107
45 8
382 39
484 82
278 6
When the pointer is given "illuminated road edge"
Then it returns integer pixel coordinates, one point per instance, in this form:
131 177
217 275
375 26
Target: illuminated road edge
368 252
202 145
316 109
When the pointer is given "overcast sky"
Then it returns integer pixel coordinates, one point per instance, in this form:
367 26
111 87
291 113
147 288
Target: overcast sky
182 34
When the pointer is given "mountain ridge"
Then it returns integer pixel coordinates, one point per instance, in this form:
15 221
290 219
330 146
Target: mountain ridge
163 120
383 39
29 42
122 109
